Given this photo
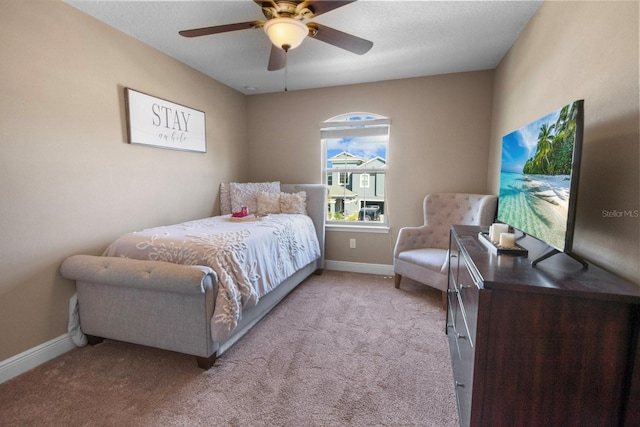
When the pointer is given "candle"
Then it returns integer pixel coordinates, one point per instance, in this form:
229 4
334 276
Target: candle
507 240
496 230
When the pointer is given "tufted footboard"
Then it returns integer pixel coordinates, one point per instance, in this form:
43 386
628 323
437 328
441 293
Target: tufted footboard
157 304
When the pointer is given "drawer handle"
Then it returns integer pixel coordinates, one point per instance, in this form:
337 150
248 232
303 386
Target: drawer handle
461 337
459 384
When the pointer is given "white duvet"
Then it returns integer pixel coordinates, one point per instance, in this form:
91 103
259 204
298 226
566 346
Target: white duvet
250 257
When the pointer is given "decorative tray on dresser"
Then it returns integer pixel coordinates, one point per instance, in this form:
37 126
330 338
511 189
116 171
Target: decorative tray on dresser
551 345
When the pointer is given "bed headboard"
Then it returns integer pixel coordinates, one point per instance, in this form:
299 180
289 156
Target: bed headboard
316 208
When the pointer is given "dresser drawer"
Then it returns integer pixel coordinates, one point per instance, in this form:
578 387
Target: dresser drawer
468 299
462 332
453 266
462 364
457 322
462 359
468 295
453 321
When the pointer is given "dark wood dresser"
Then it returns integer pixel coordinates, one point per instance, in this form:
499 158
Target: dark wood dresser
554 345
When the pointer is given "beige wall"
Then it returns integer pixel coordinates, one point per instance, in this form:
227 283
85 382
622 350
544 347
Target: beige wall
583 50
69 182
439 141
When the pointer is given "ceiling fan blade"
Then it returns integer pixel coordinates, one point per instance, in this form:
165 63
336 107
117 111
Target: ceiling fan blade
277 59
197 32
338 38
318 7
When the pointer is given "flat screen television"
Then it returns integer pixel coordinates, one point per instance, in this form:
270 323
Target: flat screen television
539 178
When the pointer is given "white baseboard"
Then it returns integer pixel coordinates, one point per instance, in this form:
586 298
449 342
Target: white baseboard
35 356
359 267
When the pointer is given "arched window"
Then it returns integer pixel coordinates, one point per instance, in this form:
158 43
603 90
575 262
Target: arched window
354 165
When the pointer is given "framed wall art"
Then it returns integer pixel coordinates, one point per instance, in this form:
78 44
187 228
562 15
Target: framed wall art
161 123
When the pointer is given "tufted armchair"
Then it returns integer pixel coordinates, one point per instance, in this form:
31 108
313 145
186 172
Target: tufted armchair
421 252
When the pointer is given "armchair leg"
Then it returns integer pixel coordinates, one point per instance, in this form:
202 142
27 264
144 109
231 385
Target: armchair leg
444 300
398 278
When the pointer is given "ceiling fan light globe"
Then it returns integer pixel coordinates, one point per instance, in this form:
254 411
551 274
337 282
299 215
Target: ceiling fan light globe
286 32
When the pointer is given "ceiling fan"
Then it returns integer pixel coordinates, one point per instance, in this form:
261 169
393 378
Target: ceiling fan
286 30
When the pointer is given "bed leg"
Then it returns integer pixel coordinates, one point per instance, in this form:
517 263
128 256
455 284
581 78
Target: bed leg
318 271
94 340
206 362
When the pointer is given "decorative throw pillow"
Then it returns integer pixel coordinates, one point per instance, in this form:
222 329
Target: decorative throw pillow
244 194
225 199
294 203
268 203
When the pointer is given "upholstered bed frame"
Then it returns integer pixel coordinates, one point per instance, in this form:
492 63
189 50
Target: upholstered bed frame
169 306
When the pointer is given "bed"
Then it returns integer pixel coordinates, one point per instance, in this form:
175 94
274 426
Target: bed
198 286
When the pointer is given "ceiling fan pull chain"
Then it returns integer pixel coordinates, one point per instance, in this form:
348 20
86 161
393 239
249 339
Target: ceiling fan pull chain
285 69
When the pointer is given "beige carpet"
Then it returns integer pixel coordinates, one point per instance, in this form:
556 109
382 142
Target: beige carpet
342 349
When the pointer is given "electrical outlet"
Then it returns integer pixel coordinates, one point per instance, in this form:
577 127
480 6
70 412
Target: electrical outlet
352 243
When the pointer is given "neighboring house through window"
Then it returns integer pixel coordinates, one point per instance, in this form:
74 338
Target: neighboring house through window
354 148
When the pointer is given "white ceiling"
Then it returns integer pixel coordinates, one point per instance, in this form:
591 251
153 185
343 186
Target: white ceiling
410 39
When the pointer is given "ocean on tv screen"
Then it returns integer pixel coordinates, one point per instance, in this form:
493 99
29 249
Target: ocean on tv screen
536 204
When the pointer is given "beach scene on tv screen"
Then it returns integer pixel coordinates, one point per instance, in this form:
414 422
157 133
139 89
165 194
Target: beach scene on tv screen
535 176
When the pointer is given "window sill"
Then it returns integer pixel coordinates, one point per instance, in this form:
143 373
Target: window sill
358 228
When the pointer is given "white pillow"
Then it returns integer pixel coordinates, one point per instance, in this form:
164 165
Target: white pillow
244 194
268 203
225 199
294 203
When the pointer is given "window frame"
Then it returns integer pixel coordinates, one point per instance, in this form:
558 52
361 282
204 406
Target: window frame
355 125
